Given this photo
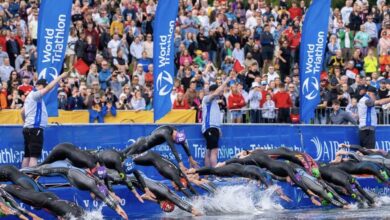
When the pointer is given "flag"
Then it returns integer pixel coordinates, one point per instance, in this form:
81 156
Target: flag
53 31
81 67
163 50
312 53
237 67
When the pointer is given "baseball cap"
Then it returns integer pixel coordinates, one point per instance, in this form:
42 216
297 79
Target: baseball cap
255 84
42 82
371 89
264 83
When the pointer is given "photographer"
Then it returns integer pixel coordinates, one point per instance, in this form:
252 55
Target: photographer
99 110
122 104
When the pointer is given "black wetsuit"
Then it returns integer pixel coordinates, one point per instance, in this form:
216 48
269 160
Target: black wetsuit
12 174
302 159
77 177
161 191
79 158
344 183
166 168
317 186
159 136
45 200
10 202
238 170
361 168
259 158
367 151
375 158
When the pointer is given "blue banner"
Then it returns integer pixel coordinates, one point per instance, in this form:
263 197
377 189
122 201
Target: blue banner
53 31
320 142
163 62
312 53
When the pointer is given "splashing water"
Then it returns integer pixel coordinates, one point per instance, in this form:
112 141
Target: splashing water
95 214
243 199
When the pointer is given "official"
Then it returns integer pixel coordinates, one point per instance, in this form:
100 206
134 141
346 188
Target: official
211 122
368 118
35 119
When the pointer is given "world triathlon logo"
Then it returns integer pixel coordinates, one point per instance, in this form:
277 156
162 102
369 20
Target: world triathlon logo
310 88
164 83
47 73
318 147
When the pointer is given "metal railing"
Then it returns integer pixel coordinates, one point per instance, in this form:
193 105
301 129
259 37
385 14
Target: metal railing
322 115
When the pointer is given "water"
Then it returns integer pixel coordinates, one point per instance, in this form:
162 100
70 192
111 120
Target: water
247 203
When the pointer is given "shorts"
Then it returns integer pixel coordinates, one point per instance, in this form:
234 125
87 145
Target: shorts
212 138
33 142
267 53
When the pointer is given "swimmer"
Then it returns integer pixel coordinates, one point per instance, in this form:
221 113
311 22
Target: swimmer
160 135
80 179
45 200
238 170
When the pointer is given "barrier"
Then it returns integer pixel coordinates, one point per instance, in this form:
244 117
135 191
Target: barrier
321 142
82 117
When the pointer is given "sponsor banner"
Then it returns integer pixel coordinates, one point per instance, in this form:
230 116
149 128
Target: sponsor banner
9 117
163 50
319 141
53 31
312 53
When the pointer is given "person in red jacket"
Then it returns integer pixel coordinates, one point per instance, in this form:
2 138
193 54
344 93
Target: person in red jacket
283 102
235 102
295 11
180 102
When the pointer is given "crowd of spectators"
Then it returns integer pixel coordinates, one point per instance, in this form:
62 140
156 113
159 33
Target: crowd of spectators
110 47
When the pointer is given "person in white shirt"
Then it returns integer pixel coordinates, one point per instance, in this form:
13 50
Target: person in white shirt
238 53
114 44
148 46
5 70
254 98
35 119
268 110
346 11
272 74
136 49
371 30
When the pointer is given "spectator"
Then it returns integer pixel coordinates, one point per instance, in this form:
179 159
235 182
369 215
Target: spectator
139 72
238 53
114 45
5 70
104 75
339 116
383 92
75 101
136 49
145 61
138 102
117 26
25 88
268 110
371 30
272 74
355 21
370 63
98 110
346 41
90 51
3 55
93 75
62 100
122 103
180 102
361 40
267 43
16 101
284 57
254 98
235 102
283 102
353 109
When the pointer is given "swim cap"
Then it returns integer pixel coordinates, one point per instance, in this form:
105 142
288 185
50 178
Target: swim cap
324 202
384 174
101 172
354 196
180 137
315 172
330 195
167 206
103 189
184 182
128 165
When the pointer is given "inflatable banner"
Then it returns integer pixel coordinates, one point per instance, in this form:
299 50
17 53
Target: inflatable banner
53 31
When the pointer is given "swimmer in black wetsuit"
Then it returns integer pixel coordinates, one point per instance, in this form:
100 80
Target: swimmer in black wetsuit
8 206
79 158
344 183
12 174
362 168
167 169
46 200
80 179
358 156
238 170
279 169
162 193
366 151
160 135
300 158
